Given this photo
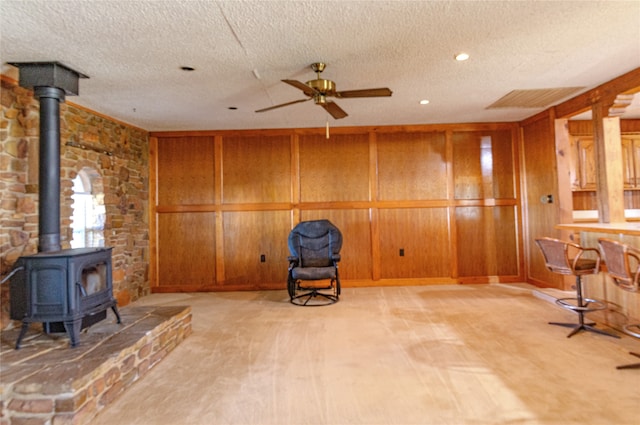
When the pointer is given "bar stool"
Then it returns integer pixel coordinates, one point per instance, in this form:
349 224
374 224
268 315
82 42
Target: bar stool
623 265
566 258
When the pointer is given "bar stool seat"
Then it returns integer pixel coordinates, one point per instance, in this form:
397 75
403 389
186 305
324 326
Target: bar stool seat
623 265
566 258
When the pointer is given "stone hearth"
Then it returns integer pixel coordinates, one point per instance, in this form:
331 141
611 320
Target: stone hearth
48 383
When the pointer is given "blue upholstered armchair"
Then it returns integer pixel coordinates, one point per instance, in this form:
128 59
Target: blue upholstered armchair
313 264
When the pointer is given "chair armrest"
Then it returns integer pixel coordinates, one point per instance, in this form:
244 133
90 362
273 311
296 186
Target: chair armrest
633 256
293 262
583 250
335 257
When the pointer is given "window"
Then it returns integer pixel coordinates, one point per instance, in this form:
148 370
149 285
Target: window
88 216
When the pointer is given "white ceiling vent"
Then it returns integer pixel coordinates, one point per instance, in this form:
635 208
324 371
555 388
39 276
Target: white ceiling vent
537 98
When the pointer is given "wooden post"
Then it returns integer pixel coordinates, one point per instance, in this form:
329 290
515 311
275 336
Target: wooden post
563 158
610 183
564 203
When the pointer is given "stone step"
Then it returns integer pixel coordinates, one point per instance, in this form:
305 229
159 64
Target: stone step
47 381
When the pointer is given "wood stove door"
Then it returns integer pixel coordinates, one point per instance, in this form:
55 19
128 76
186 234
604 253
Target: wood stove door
49 292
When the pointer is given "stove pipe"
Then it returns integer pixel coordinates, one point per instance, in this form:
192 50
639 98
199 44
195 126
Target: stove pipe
49 168
50 82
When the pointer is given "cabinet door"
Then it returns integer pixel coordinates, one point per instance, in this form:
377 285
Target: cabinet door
574 174
586 163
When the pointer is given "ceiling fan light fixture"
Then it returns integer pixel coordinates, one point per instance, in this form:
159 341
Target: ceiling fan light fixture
320 90
462 56
326 87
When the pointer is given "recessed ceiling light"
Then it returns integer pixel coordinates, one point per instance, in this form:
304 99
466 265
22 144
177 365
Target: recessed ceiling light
424 102
461 56
187 68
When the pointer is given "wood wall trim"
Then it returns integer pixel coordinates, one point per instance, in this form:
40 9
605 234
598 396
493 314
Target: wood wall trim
524 202
337 205
219 220
354 283
373 211
605 93
451 212
544 115
295 179
339 130
515 137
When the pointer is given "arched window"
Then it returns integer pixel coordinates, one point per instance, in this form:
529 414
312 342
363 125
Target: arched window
88 216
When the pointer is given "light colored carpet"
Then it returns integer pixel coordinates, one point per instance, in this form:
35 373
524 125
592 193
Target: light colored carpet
473 354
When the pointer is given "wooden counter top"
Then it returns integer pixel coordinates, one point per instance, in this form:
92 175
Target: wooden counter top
625 228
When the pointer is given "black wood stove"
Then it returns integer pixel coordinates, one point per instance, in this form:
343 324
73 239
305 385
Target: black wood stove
66 290
70 289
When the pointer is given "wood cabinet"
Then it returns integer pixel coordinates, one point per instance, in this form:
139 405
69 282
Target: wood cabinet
583 167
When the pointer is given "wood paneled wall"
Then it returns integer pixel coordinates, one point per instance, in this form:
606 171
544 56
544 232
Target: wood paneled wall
416 205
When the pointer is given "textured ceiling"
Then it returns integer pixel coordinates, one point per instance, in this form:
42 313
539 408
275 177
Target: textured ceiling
132 52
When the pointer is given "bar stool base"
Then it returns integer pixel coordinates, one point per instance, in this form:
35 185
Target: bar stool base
632 365
588 327
581 306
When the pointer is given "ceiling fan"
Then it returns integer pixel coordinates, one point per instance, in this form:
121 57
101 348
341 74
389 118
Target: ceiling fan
320 89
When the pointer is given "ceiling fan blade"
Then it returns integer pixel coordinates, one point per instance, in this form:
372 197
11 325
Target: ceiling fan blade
282 104
365 93
333 108
302 86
